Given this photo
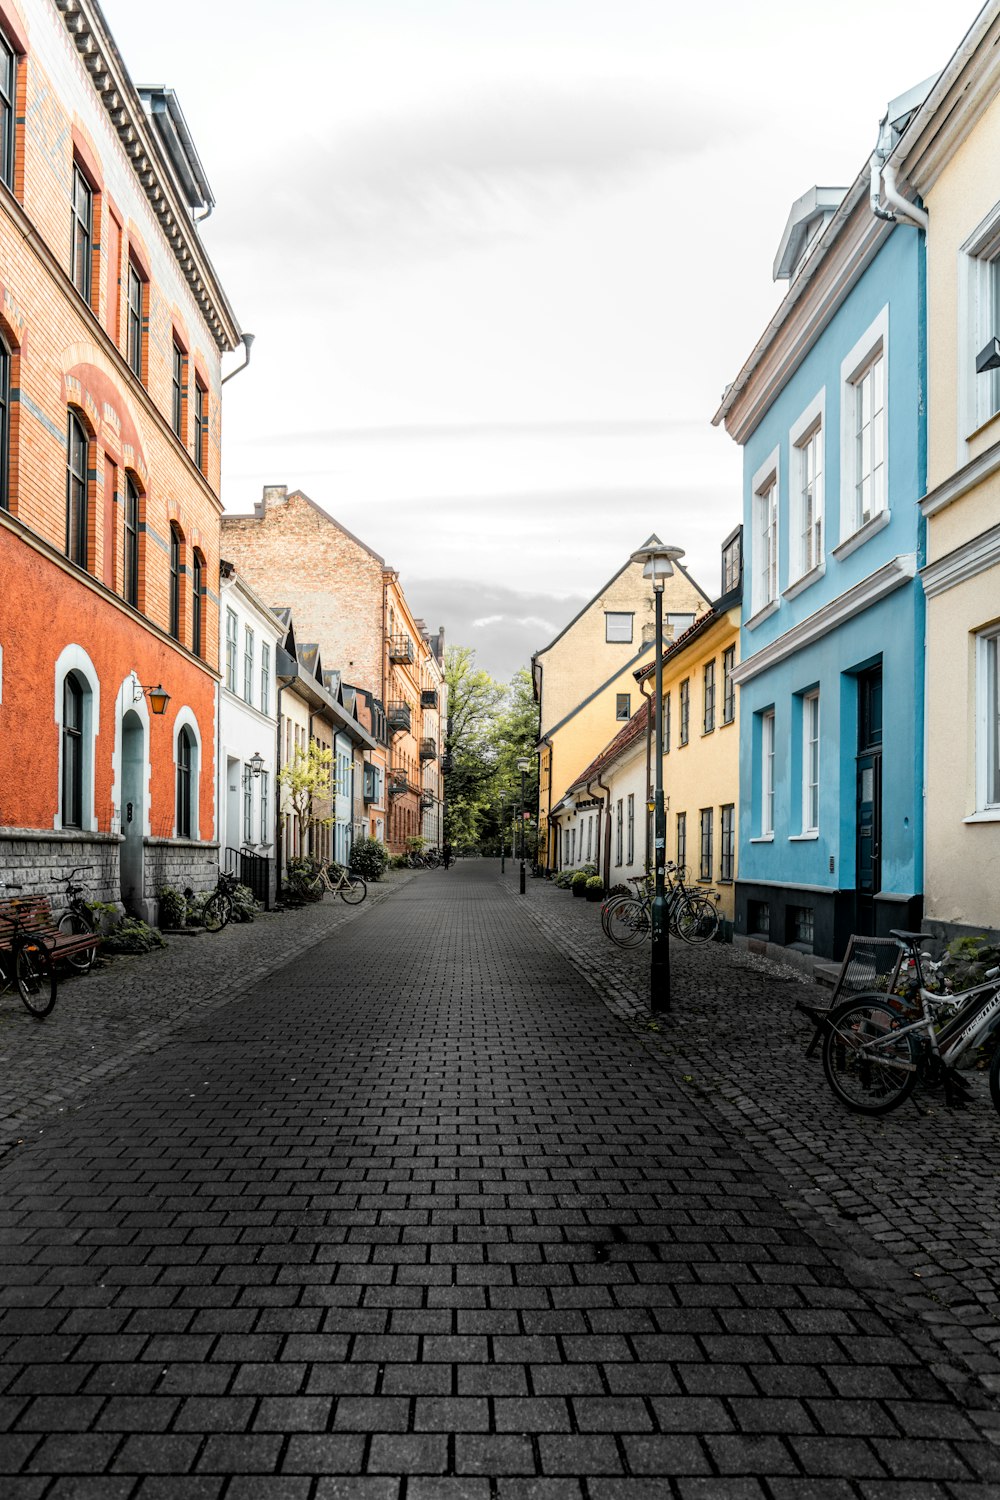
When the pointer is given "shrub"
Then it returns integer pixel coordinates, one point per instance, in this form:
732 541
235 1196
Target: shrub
399 862
563 879
579 881
589 869
131 935
173 907
595 883
245 904
297 890
369 859
621 890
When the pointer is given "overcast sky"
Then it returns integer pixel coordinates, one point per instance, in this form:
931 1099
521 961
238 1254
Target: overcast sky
502 256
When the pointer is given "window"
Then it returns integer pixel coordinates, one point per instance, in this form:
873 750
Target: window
265 808
4 426
684 695
231 635
803 925
175 581
134 306
807 493
618 831
197 600
200 423
265 676
631 828
8 111
590 836
617 627
767 774
131 589
186 782
759 918
72 748
705 865
78 463
666 723
765 558
178 384
810 763
678 623
81 250
708 718
988 716
728 686
727 838
247 664
980 393
732 562
622 706
682 840
247 805
863 477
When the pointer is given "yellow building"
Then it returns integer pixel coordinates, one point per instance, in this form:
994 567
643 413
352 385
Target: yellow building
583 678
948 157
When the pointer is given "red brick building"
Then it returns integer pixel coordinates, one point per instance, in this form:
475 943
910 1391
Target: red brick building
112 327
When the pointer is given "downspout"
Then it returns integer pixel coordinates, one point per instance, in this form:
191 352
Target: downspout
597 851
607 840
278 850
649 764
884 190
548 814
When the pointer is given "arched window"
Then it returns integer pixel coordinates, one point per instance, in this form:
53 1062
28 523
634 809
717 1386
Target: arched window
77 463
175 580
185 783
131 543
73 752
197 598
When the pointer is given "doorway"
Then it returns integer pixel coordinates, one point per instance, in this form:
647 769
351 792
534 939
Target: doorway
133 893
869 800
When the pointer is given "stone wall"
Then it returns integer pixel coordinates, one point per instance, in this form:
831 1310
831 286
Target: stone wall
40 863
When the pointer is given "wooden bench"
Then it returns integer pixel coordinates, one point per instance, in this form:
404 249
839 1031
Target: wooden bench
19 914
870 963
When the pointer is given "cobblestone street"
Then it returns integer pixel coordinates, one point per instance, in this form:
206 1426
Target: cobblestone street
405 1212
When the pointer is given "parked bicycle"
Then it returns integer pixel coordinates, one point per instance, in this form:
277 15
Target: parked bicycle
77 920
691 915
218 909
25 961
877 1047
339 882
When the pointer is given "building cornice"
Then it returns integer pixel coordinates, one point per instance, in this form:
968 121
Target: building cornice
829 617
842 254
975 556
962 481
955 105
89 33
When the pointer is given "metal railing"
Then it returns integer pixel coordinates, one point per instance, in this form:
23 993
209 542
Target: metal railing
252 870
401 648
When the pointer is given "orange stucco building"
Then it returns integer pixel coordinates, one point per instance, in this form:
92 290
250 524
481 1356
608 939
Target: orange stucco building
112 328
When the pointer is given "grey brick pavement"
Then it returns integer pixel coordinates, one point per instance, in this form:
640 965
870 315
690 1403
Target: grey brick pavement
418 1218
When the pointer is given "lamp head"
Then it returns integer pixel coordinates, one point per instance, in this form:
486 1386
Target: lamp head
523 763
158 698
256 763
658 560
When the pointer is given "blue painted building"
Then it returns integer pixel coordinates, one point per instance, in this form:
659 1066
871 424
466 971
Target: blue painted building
829 411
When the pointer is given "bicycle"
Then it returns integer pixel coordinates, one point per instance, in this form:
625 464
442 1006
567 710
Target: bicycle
25 962
218 909
691 915
348 886
77 920
876 1047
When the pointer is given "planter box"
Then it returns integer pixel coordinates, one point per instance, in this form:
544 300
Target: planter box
578 890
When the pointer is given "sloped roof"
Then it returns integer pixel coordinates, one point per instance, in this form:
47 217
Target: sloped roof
622 741
642 674
308 657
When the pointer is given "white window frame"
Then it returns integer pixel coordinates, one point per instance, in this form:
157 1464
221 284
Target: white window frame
186 720
810 762
619 614
767 774
988 721
870 347
978 320
74 658
765 493
809 431
232 647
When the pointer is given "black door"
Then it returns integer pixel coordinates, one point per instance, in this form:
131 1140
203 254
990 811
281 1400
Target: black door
869 800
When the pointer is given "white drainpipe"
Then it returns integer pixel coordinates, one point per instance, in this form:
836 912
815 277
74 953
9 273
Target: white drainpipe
886 200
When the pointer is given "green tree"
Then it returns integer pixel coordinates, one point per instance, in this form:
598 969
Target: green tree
308 780
490 725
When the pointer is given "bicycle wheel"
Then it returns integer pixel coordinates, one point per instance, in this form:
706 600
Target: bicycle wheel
697 919
608 907
628 923
995 1076
353 890
868 1068
75 924
218 909
35 975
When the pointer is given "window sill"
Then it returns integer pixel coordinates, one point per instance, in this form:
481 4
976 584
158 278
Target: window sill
863 534
988 815
763 838
804 838
727 723
800 584
706 732
764 613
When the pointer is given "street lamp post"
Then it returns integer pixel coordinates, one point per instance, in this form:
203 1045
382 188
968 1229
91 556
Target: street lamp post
658 561
522 766
503 831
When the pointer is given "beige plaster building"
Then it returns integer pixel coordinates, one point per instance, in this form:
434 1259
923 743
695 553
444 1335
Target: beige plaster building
583 678
949 157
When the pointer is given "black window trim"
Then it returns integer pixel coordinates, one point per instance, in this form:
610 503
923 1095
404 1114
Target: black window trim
84 272
76 505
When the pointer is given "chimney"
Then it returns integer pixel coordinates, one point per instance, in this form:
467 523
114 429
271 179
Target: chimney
274 494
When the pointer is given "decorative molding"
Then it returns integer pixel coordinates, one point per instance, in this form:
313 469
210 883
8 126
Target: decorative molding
765 613
804 581
863 534
975 556
124 108
829 617
962 481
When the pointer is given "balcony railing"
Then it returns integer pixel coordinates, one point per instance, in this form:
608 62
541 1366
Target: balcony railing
428 748
429 698
398 783
426 801
398 717
401 648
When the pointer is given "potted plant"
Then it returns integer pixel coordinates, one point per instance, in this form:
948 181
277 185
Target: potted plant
594 888
578 885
